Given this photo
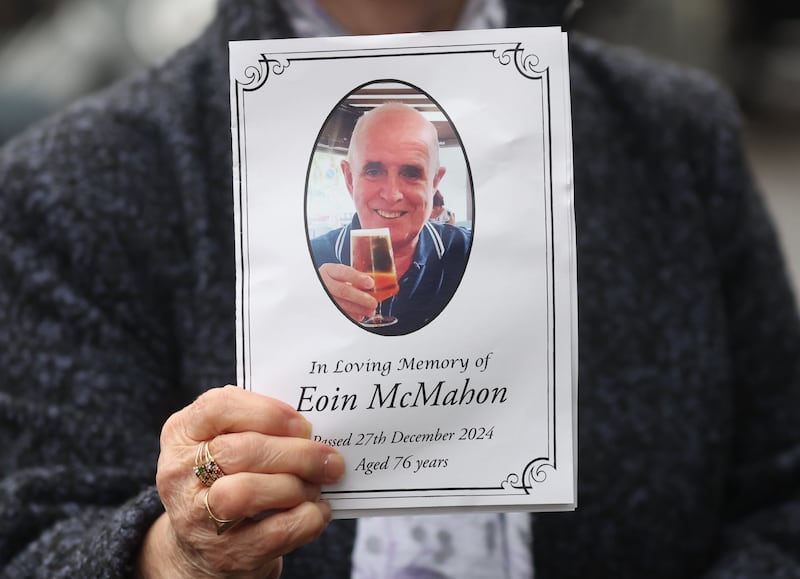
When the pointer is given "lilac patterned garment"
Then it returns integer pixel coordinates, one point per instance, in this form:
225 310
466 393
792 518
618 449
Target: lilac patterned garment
463 546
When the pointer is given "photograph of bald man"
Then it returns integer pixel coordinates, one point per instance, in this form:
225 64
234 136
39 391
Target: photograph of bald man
391 172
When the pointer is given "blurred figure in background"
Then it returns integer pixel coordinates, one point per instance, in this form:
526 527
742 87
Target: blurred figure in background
440 213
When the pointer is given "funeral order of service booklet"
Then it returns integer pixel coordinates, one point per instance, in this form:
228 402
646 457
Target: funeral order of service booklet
406 271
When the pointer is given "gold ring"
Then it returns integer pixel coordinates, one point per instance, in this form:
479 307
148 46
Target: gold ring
205 468
222 525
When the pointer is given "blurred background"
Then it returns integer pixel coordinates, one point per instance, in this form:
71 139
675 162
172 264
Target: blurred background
54 51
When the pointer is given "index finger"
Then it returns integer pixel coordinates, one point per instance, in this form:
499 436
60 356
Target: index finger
346 274
233 409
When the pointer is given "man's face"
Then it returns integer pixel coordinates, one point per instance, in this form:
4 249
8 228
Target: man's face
392 172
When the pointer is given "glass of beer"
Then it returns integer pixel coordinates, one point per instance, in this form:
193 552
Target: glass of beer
371 253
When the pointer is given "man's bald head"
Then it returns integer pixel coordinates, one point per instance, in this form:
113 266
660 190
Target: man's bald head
391 171
398 113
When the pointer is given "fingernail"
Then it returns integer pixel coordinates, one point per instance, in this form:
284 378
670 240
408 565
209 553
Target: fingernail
313 492
327 512
299 427
369 283
333 468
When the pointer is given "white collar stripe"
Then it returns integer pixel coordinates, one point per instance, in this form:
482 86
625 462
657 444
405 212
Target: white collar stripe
340 239
436 238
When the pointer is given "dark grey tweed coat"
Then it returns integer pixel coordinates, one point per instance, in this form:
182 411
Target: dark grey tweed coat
116 308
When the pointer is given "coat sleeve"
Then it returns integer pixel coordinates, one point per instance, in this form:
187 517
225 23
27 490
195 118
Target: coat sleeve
85 379
761 513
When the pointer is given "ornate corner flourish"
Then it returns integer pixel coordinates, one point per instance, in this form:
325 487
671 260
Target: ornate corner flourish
257 75
534 472
525 63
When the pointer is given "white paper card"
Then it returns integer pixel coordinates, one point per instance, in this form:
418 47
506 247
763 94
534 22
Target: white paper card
468 399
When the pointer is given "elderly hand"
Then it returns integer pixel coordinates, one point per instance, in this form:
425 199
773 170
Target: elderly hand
348 287
272 477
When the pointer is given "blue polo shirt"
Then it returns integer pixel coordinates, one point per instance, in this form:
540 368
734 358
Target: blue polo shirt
429 283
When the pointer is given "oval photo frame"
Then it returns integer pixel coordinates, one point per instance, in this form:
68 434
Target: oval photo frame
395 193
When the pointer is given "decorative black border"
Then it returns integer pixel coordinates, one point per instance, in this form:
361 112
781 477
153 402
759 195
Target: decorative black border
471 186
505 53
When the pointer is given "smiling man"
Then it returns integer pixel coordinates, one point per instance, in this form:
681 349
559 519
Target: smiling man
392 171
